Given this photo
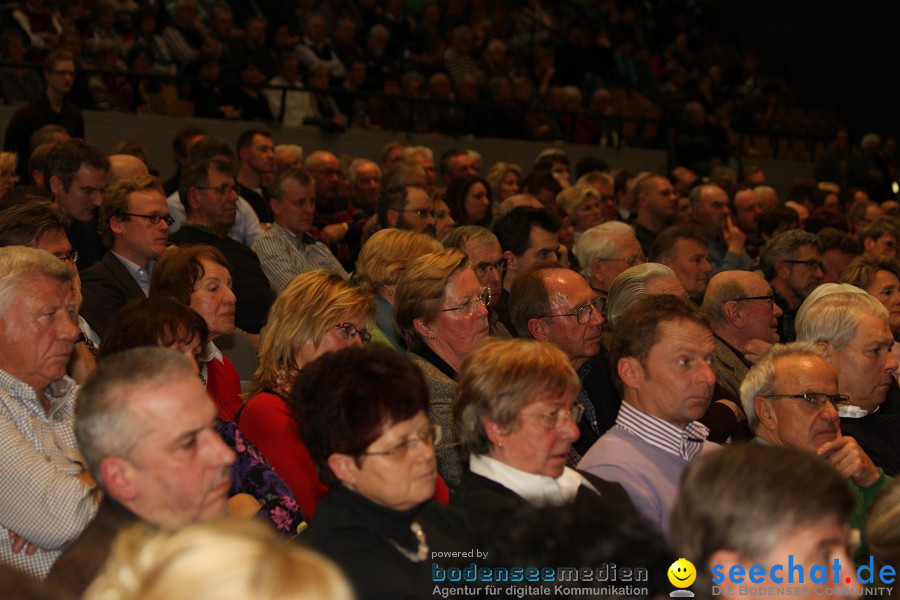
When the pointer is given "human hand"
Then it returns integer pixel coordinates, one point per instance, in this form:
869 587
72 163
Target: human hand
845 455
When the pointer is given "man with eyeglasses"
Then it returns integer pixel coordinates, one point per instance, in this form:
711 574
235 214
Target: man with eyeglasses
208 193
134 225
853 332
75 173
556 305
51 107
792 263
743 317
791 399
606 250
407 207
662 355
483 250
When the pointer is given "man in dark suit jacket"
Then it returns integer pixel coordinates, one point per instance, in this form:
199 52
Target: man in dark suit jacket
127 226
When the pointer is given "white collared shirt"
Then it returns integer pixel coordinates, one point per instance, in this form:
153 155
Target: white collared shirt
539 490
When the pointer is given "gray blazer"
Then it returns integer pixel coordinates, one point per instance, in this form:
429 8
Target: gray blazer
440 412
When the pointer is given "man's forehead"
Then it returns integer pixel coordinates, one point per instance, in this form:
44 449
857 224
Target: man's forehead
806 252
55 242
86 173
685 246
713 194
804 372
479 251
674 334
872 329
566 282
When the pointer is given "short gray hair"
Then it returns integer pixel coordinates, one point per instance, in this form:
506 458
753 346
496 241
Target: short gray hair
631 285
760 379
834 318
598 242
722 289
104 425
20 265
357 163
459 237
784 246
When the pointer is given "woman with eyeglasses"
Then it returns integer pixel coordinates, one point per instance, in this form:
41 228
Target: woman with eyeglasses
441 310
316 313
516 415
363 415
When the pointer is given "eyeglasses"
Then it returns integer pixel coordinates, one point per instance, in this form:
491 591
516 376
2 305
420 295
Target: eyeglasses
154 218
481 269
328 172
815 400
470 305
422 213
430 436
350 331
71 257
811 264
770 299
224 189
583 314
631 261
557 418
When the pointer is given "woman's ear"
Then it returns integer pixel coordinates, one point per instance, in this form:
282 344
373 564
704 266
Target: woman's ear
344 468
494 432
424 330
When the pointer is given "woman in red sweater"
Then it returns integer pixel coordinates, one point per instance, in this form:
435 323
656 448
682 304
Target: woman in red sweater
318 312
199 277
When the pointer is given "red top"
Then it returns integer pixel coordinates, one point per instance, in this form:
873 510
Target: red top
223 384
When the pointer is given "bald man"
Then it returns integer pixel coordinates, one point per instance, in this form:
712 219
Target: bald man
125 166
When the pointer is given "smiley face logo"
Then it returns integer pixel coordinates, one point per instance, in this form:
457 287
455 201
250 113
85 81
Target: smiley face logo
682 573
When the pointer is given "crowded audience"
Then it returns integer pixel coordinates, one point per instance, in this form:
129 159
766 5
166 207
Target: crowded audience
333 375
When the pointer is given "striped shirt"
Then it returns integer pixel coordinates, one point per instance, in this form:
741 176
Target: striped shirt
284 255
685 443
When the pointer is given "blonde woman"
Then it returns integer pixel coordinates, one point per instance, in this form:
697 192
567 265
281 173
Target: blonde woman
582 204
226 559
381 262
317 313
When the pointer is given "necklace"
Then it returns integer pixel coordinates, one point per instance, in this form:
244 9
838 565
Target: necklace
422 552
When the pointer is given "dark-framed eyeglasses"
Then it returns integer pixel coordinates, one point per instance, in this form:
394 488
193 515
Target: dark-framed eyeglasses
815 400
154 218
470 305
224 189
71 256
583 313
557 418
770 299
481 269
630 261
350 331
811 264
422 213
430 436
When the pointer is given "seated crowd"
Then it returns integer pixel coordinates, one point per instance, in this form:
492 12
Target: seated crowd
384 360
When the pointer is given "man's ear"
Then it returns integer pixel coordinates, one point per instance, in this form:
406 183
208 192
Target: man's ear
56 185
511 260
118 477
193 201
539 329
781 268
275 206
115 225
344 468
827 351
767 417
867 244
630 371
393 217
733 313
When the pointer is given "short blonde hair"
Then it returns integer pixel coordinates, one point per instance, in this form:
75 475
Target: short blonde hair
385 255
572 197
420 291
498 171
305 310
226 559
499 378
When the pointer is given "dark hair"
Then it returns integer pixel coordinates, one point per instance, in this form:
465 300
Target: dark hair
457 190
392 198
209 147
179 142
158 321
637 329
68 156
541 179
545 163
58 55
344 400
834 239
513 230
179 269
24 224
25 193
776 218
245 140
449 155
197 175
589 164
665 242
821 218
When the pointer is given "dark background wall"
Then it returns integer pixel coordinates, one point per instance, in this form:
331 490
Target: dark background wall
842 55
